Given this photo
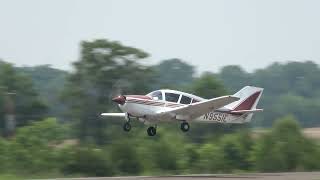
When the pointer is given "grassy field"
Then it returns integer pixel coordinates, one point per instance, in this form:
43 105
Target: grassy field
258 176
313 133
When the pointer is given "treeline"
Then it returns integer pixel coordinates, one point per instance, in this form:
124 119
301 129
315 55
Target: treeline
290 88
77 141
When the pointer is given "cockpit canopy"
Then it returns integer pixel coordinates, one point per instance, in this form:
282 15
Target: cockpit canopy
174 96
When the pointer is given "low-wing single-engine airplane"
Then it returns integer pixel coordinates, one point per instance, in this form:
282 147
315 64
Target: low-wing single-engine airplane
171 105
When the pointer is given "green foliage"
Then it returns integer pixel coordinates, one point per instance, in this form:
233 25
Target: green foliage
88 161
235 150
32 149
234 77
104 67
228 153
48 82
173 73
39 149
27 104
284 148
208 86
4 155
211 159
124 158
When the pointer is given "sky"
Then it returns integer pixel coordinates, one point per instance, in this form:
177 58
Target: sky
206 33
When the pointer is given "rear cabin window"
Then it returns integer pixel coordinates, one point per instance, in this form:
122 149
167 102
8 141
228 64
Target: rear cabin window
194 101
171 97
156 95
185 100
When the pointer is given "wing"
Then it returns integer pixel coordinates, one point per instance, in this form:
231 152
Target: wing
114 114
195 110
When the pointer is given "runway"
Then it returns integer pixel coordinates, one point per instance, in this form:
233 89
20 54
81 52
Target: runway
256 176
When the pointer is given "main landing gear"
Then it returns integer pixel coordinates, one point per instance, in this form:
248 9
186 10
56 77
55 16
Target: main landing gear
185 126
152 131
127 125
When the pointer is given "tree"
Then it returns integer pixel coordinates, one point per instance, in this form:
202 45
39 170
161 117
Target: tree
283 149
104 67
234 77
125 159
89 161
26 101
208 86
235 150
210 159
173 73
33 148
49 83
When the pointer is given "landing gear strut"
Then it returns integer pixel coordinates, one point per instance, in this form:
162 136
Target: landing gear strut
152 131
127 125
185 126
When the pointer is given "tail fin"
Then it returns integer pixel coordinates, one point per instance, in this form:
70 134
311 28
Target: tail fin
246 105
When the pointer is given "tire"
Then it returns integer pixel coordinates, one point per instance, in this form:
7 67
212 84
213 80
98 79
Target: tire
185 126
152 131
127 127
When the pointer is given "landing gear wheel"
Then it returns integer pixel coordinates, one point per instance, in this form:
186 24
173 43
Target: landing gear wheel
127 127
152 131
185 126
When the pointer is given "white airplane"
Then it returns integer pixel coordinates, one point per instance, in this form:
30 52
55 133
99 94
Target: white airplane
170 105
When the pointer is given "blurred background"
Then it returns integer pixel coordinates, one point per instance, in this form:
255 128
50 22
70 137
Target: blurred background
62 61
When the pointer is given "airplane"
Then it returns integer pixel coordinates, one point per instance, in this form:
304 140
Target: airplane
167 105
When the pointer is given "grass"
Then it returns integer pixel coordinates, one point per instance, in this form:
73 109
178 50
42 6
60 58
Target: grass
9 177
313 133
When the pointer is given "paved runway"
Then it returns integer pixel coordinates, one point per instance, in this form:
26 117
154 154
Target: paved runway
257 176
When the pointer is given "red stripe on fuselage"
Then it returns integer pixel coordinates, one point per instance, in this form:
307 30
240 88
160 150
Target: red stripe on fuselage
145 102
131 99
139 97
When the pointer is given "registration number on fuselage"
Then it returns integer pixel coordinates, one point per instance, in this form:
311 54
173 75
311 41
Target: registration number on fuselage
213 116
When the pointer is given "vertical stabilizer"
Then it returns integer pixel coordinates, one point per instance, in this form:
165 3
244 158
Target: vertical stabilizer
246 105
249 98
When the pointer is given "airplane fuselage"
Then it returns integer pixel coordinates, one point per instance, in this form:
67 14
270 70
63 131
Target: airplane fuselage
175 106
145 109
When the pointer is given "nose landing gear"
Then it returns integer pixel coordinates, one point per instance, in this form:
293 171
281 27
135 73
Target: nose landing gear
127 127
185 126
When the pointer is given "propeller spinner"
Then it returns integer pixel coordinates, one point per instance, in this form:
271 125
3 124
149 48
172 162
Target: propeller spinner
119 99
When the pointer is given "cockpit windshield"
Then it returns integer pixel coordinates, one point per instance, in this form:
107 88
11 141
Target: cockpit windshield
157 95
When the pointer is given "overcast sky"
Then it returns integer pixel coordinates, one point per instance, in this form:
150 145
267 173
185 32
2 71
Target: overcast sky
206 33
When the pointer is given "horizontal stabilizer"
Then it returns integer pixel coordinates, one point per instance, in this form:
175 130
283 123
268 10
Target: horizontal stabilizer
247 111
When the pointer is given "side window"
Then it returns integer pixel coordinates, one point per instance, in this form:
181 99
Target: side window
185 100
157 95
194 101
171 97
